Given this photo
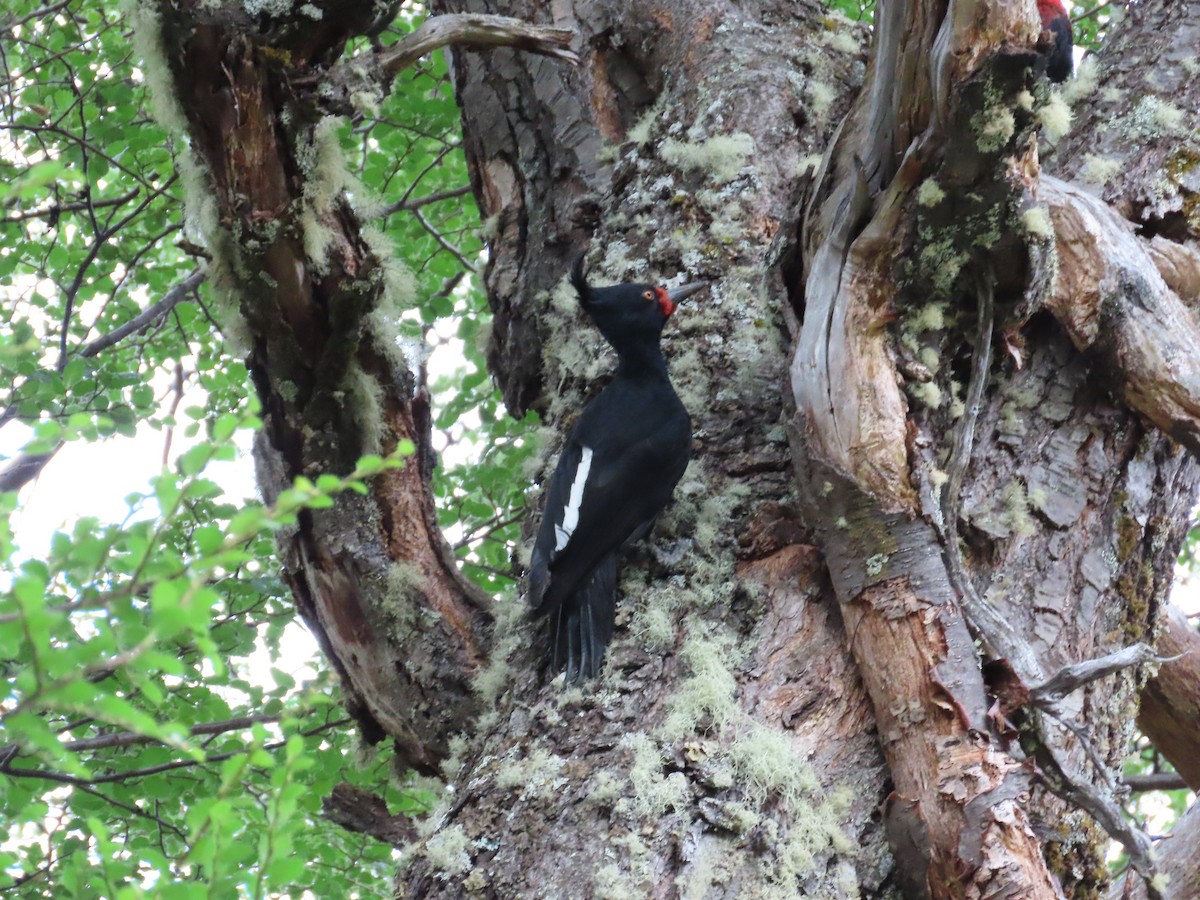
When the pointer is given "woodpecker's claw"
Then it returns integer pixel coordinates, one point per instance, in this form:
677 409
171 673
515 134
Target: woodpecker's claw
684 291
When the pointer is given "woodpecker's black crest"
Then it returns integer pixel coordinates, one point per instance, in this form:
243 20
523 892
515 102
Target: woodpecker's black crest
620 464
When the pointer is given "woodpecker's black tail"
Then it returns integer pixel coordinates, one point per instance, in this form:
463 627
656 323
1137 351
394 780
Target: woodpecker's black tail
583 624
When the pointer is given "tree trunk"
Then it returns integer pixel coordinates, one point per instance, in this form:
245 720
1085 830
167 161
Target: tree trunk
1068 508
929 387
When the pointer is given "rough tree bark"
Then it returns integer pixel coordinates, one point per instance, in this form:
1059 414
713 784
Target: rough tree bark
929 385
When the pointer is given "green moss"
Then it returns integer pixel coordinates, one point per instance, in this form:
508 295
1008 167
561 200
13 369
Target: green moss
1129 538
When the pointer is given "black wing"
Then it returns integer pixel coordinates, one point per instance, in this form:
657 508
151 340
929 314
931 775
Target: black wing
625 488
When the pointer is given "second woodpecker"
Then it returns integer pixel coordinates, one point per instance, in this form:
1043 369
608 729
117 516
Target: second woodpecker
618 469
1061 60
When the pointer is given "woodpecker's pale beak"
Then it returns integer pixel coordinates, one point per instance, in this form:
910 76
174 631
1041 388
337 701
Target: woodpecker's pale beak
684 291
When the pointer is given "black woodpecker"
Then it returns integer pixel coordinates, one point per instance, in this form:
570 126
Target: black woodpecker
1061 60
620 464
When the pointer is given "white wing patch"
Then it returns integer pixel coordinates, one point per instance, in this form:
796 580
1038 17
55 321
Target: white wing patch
563 532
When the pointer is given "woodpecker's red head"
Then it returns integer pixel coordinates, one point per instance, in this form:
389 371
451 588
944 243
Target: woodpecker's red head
1050 10
628 312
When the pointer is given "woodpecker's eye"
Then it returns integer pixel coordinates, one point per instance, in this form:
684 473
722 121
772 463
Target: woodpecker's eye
649 295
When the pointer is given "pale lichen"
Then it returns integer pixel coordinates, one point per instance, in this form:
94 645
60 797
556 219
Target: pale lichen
1087 78
652 791
927 393
720 157
707 694
1055 118
1099 170
994 128
930 193
448 851
1037 222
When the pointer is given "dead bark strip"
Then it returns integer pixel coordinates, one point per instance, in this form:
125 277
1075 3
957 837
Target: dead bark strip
304 290
958 815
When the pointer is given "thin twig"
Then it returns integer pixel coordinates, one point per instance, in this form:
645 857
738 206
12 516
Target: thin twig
59 208
436 197
36 14
464 30
78 781
149 315
1091 12
445 244
26 467
1155 781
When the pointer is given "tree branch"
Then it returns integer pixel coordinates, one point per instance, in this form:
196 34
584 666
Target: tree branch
1169 714
28 466
1155 781
130 738
436 197
471 32
365 813
465 30
81 782
148 316
1113 302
